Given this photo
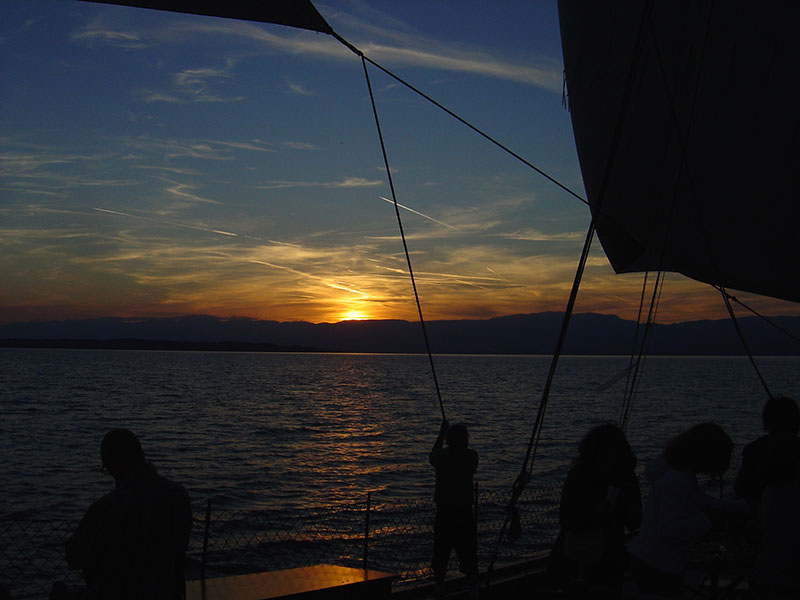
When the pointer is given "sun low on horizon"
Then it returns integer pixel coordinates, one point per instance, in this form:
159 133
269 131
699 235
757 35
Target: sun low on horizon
160 164
355 315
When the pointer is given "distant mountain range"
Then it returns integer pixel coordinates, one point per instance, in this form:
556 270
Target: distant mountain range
589 333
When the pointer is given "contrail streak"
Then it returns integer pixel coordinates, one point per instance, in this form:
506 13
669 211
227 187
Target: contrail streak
195 227
416 212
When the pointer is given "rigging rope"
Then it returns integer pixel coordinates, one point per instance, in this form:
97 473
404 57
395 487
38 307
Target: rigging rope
403 235
625 401
525 473
683 143
364 60
527 468
756 313
632 384
744 341
479 132
460 119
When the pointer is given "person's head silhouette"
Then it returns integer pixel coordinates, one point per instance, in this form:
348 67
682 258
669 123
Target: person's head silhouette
121 452
781 415
704 448
457 436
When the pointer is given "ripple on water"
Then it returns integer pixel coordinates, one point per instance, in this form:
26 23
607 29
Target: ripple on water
255 430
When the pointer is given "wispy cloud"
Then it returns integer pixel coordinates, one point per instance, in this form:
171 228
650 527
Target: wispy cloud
171 149
194 84
349 182
476 63
300 145
255 146
14 164
150 96
162 221
99 33
185 193
534 235
297 89
395 44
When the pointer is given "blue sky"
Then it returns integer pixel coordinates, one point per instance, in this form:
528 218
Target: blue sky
162 164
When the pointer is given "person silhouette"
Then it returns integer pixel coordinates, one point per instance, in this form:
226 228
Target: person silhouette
600 499
773 456
131 543
454 526
769 480
678 511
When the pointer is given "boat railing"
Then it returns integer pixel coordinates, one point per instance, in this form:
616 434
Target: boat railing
377 532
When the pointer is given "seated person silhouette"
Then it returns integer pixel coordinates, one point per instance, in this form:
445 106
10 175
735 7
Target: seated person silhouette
769 479
131 543
454 526
678 511
599 501
773 456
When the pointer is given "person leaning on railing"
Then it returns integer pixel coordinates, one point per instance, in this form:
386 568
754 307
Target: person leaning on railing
131 543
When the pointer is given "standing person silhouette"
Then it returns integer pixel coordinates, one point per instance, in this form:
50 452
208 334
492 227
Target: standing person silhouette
454 527
131 543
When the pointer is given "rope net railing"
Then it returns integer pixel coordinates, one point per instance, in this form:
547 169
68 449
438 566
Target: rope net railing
399 539
384 534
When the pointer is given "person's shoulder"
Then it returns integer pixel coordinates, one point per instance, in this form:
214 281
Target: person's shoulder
159 489
578 474
437 455
758 445
171 487
105 502
673 480
169 483
468 455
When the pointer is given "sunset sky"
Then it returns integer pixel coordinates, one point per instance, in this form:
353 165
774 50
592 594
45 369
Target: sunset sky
157 164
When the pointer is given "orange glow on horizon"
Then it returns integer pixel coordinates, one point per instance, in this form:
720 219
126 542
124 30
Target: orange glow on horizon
682 300
354 315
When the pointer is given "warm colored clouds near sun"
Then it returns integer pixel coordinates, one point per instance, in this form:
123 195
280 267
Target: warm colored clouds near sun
161 164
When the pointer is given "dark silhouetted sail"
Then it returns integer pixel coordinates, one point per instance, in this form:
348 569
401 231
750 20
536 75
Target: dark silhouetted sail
294 13
694 169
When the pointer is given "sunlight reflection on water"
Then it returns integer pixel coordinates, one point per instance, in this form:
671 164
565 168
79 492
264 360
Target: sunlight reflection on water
283 430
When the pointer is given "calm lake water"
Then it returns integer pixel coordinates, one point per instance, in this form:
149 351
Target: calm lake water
255 430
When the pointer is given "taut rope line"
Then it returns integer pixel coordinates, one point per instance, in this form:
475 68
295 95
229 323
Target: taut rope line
744 341
403 236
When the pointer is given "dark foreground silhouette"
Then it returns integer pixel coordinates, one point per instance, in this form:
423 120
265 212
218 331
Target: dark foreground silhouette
600 500
454 526
131 543
769 479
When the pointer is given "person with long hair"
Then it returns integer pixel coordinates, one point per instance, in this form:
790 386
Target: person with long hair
131 543
600 500
678 511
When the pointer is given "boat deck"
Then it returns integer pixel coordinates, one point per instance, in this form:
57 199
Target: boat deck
317 582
